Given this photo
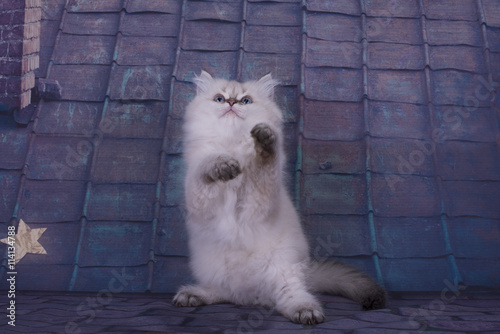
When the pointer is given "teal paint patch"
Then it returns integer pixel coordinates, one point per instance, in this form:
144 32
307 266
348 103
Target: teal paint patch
333 157
44 277
51 201
174 181
63 117
13 144
401 274
472 237
109 244
170 273
338 235
122 279
171 235
479 273
122 202
334 194
416 237
129 72
298 174
9 183
140 83
59 158
137 120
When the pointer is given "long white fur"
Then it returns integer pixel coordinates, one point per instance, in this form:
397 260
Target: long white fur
245 238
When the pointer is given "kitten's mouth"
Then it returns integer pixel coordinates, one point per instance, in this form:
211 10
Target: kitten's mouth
231 113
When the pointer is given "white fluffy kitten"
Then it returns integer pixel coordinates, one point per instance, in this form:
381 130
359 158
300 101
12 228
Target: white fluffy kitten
246 241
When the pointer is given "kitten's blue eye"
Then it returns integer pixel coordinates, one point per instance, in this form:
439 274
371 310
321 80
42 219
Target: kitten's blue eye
246 100
219 98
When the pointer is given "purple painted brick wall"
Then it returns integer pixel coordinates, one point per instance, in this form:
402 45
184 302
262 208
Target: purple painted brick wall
19 51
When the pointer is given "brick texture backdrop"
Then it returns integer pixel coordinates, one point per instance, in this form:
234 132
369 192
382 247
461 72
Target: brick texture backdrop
392 124
19 48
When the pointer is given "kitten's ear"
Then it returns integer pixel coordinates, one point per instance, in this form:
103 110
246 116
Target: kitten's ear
203 82
267 84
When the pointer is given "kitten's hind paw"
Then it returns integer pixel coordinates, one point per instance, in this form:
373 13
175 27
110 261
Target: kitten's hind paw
308 317
223 169
185 299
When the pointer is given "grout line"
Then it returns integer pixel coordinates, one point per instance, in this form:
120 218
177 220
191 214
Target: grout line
114 64
437 178
239 68
300 116
58 38
163 153
487 63
163 158
92 164
51 61
368 172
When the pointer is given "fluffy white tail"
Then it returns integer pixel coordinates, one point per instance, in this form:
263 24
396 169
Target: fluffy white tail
335 277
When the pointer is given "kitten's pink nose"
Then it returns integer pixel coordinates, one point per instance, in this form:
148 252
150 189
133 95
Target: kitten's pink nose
231 101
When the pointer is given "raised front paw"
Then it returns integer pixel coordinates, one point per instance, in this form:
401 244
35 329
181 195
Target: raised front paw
265 139
223 169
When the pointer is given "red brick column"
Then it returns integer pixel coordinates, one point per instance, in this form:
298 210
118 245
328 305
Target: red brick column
19 49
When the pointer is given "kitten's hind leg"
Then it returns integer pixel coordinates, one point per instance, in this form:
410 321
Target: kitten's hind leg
295 302
299 306
195 295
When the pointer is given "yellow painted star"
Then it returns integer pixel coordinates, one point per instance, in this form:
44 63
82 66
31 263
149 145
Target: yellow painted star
27 241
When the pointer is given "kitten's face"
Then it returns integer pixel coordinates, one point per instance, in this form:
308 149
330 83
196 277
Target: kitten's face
219 99
229 99
232 100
